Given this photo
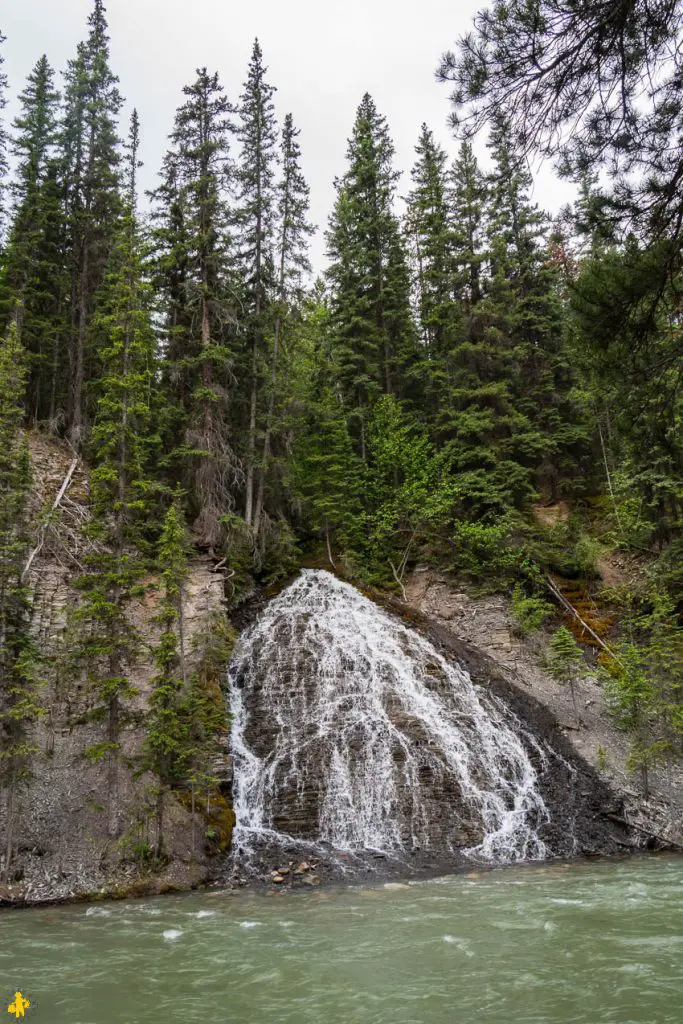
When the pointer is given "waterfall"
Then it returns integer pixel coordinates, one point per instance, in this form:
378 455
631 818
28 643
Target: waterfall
350 729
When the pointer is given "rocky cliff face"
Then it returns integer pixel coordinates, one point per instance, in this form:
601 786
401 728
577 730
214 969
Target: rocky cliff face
485 623
65 846
71 845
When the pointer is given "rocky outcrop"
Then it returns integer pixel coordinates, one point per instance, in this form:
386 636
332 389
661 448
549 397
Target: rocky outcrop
360 739
67 847
483 623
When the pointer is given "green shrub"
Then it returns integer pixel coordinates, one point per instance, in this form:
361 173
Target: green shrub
528 613
587 551
565 661
484 552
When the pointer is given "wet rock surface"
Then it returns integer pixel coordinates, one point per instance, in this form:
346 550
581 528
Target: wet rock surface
310 785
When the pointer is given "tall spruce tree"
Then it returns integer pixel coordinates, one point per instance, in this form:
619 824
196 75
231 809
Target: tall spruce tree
370 286
476 411
430 230
547 436
3 136
165 744
327 472
467 199
197 289
466 196
255 222
432 236
91 158
32 283
19 705
291 256
120 448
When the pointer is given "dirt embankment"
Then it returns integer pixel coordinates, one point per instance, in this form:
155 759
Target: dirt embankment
484 622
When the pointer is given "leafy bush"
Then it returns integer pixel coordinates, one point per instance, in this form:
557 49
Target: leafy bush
484 552
528 613
587 551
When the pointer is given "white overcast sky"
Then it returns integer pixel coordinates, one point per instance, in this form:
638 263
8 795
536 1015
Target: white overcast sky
322 57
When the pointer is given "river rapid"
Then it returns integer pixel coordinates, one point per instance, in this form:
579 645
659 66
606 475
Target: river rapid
585 943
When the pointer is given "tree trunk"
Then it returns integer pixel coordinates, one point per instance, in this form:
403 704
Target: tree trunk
363 453
181 633
160 821
206 336
251 446
76 426
9 839
53 382
73 344
269 426
329 548
113 767
645 780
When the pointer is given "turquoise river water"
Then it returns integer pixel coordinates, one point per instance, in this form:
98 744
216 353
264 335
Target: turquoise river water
589 943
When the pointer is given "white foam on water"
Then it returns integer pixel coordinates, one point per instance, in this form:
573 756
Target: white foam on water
172 934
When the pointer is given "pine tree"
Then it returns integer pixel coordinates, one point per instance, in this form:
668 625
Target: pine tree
166 741
255 221
476 409
35 131
327 473
292 263
467 199
120 448
548 435
370 302
458 372
431 233
432 237
3 137
625 303
565 659
330 475
32 282
196 284
19 705
406 494
90 147
508 420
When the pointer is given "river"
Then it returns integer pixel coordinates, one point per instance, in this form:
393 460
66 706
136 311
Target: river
559 944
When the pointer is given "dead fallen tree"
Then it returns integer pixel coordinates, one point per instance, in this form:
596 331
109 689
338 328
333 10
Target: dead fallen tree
559 596
66 483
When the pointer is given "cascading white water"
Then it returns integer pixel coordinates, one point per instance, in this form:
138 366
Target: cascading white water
352 729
